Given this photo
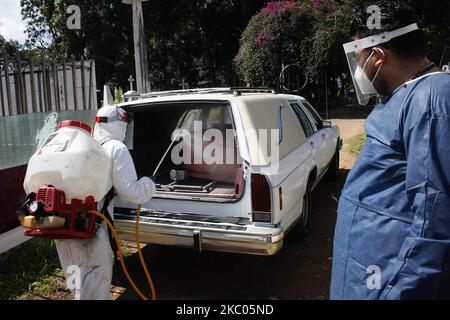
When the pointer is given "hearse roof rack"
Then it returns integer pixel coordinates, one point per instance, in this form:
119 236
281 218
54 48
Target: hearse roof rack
237 91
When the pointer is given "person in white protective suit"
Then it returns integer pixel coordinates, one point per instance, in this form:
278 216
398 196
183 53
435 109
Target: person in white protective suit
94 257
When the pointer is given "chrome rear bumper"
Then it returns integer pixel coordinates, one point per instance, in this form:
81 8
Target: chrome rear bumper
201 235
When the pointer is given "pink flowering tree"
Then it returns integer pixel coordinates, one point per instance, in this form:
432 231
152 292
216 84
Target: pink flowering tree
284 32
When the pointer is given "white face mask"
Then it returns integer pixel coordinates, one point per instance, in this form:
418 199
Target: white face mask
364 83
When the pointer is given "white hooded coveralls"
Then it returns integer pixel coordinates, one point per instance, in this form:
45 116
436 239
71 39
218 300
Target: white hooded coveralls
94 257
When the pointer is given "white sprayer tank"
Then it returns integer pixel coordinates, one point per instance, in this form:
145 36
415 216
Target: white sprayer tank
71 161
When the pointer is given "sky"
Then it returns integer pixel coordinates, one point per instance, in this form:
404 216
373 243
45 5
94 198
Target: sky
11 24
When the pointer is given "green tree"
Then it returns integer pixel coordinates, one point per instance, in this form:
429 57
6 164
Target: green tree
9 46
281 33
105 34
194 40
312 32
14 48
309 33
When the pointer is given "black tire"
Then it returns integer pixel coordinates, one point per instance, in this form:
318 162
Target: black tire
303 228
334 169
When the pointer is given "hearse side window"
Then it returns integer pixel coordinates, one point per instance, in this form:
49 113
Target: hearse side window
318 121
219 118
214 117
306 124
188 119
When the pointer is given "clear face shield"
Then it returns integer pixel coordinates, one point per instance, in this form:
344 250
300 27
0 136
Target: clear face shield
358 59
129 119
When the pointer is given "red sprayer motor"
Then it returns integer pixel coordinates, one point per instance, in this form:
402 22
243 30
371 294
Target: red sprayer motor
46 215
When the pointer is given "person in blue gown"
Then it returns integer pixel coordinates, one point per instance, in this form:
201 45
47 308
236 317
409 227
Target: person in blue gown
392 238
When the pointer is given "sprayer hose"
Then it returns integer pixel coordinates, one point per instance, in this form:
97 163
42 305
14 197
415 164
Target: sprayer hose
141 256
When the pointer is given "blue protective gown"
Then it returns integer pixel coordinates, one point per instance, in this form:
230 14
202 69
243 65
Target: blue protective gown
392 239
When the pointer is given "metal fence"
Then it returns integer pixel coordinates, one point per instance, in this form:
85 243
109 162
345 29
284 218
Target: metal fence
46 83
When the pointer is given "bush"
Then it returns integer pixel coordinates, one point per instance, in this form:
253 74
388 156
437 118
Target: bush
307 32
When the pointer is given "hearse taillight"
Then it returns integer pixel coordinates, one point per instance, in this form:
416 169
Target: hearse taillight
261 199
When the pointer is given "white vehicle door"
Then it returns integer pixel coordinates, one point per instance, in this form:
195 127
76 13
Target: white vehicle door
315 139
328 133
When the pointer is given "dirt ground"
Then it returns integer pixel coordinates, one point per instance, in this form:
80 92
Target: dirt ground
300 271
349 130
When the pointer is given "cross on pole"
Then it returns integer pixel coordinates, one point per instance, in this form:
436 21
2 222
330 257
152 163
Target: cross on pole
131 80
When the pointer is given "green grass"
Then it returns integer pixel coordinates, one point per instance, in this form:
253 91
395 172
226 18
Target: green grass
30 271
356 144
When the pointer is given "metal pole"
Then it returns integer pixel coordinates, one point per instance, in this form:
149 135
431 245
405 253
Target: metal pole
41 103
21 86
1 94
55 82
33 87
44 83
74 83
7 83
91 67
326 94
48 79
94 87
83 89
17 98
63 60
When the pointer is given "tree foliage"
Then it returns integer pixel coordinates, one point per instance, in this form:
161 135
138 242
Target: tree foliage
105 33
194 40
212 42
14 50
281 33
9 46
312 32
284 32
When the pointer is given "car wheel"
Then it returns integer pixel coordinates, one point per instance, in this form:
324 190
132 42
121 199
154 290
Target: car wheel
302 230
333 170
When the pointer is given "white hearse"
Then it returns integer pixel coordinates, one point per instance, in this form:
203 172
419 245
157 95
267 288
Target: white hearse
236 168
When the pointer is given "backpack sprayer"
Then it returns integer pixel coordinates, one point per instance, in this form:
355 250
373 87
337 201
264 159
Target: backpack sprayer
71 166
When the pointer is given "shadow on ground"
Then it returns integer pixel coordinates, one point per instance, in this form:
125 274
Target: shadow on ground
299 271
